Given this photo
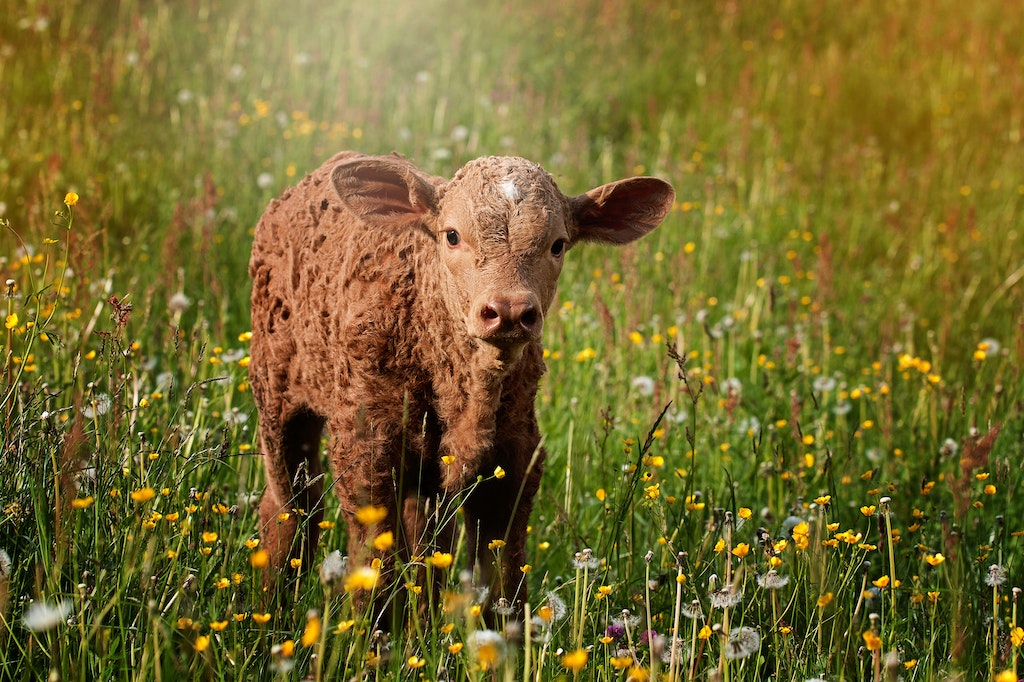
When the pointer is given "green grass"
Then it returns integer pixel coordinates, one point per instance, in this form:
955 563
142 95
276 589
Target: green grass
833 316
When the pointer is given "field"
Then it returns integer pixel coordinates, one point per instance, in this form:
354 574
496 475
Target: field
785 431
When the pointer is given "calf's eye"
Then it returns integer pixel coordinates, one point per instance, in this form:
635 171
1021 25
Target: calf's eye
558 247
452 237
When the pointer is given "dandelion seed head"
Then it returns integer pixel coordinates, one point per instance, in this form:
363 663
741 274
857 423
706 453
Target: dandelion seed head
333 568
643 385
725 598
742 642
772 580
43 616
5 564
949 448
996 575
179 303
487 647
585 559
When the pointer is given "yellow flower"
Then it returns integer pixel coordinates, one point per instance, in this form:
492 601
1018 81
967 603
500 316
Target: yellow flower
1005 676
934 559
621 662
744 513
495 544
82 502
868 510
881 583
741 550
371 514
586 354
652 492
287 648
259 559
143 495
311 633
70 199
261 618
363 578
872 641
222 583
384 541
441 560
823 500
295 563
455 648
209 537
416 662
825 599
202 641
218 625
12 321
990 489
1017 636
575 660
720 545
705 632
499 472
252 543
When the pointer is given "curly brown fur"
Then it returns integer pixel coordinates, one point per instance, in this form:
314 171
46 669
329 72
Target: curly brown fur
415 347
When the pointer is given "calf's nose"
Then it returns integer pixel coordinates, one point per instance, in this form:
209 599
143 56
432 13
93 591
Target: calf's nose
510 315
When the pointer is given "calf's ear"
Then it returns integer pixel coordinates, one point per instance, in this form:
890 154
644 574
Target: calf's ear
622 211
383 191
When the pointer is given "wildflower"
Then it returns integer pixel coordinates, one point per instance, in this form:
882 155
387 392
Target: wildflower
495 544
70 199
934 559
261 618
333 567
219 625
705 632
82 502
643 385
12 321
772 580
1017 636
872 641
311 633
693 610
371 515
996 575
259 559
652 492
142 495
363 578
621 662
42 616
575 660
725 598
295 563
741 550
555 606
201 643
586 354
487 647
825 599
209 537
585 559
384 541
742 642
415 662
868 510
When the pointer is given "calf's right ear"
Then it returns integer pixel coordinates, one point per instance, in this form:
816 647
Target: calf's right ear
384 192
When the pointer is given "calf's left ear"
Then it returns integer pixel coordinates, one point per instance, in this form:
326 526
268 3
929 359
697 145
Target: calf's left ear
384 191
622 211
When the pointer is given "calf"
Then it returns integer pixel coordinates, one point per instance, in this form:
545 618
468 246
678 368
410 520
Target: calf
403 312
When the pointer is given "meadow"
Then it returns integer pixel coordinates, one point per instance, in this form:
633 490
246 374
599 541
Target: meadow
785 431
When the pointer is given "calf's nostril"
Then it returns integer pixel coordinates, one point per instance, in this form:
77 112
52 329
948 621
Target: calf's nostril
489 313
529 318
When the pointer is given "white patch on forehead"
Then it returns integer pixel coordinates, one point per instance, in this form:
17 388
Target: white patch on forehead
510 191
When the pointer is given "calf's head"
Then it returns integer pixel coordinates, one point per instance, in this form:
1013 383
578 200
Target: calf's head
502 229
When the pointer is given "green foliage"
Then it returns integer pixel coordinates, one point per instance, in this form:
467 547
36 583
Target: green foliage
813 367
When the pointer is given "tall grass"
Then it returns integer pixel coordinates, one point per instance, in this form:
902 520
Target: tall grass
784 430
